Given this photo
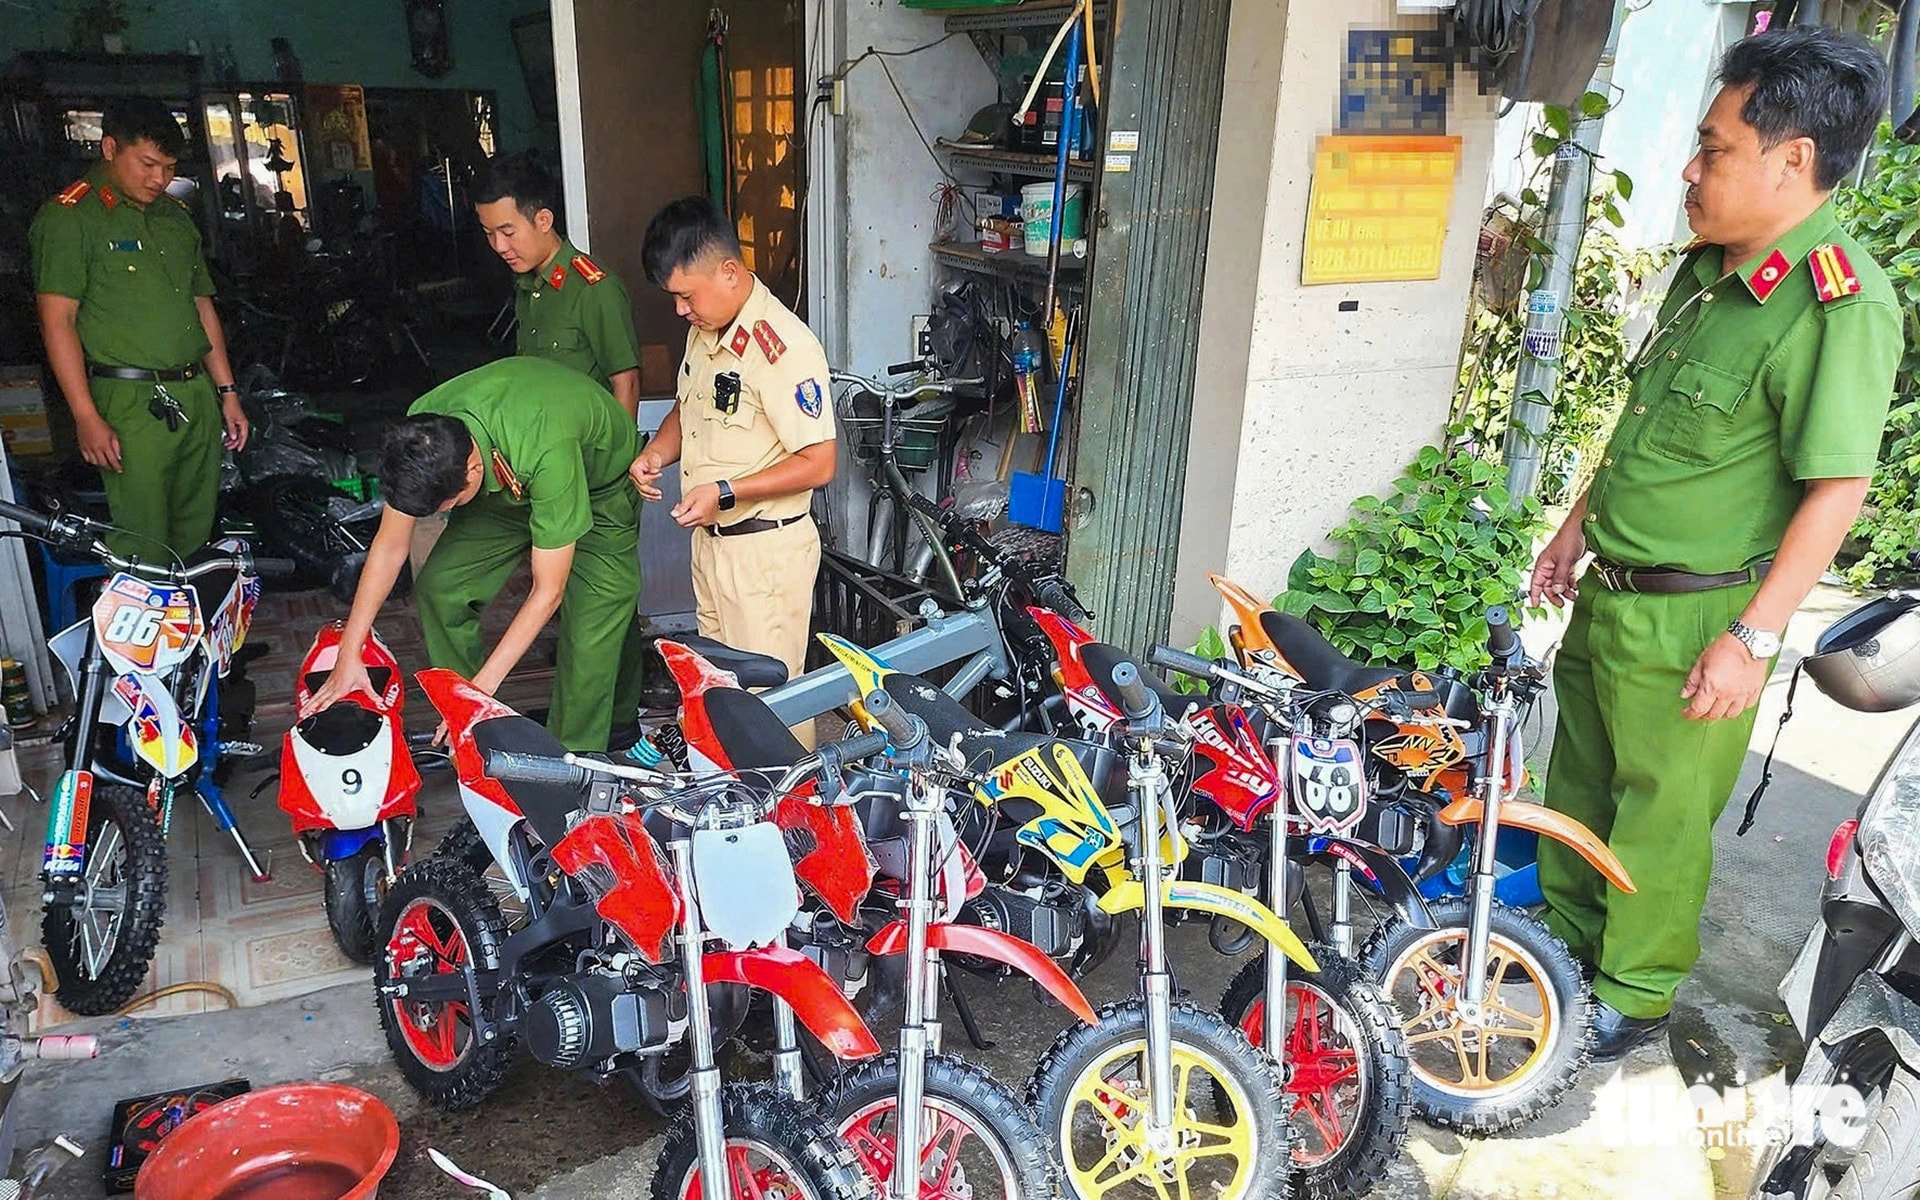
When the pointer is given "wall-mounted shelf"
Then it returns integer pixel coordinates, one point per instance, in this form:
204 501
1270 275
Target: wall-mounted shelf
1011 162
1013 16
1004 264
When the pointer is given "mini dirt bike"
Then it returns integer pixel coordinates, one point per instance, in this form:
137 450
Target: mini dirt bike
1494 1042
1346 1056
732 882
977 1139
591 979
148 667
349 782
1119 1099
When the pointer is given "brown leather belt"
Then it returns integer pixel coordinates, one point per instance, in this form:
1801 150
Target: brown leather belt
753 525
142 374
1662 581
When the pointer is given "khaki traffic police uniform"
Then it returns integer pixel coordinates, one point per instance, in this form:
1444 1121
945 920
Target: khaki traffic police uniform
577 315
136 272
555 448
754 590
1758 377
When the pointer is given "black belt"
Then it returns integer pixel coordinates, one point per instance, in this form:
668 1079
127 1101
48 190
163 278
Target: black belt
753 525
143 375
1662 581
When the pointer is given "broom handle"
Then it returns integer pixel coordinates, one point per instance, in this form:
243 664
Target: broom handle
1060 399
1068 135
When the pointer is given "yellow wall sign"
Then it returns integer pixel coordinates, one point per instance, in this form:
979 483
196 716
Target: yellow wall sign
1378 209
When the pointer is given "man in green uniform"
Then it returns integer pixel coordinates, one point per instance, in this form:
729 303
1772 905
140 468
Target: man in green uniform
569 309
126 311
526 456
1750 434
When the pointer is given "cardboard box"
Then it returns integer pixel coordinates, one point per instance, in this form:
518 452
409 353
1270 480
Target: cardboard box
23 412
1001 235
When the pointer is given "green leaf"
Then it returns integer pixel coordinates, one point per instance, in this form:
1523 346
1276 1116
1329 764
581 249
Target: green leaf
1593 104
1613 214
1558 119
1544 145
1623 183
1368 562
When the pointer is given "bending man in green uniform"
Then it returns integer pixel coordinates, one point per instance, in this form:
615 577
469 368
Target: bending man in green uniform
126 310
526 456
1750 434
569 309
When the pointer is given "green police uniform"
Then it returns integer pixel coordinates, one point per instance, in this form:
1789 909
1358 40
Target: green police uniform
1754 381
578 315
554 452
136 272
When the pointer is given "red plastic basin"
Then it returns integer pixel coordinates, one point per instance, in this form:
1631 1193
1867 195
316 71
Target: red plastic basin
303 1141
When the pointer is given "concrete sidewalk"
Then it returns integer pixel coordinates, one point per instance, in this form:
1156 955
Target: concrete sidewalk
1628 1130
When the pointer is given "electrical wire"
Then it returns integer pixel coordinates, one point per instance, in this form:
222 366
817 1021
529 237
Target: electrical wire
1493 25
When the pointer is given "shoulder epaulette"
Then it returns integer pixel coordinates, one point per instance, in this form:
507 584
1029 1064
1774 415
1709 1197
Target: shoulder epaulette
588 271
73 192
1833 275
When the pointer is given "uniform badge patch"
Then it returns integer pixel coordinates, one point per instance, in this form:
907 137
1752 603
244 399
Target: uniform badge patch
740 339
504 476
108 198
770 343
558 278
1767 276
1833 275
71 195
588 271
810 397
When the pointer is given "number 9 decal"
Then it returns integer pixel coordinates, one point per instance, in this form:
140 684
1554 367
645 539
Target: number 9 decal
351 782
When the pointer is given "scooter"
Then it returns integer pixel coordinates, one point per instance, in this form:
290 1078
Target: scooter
1853 1123
349 783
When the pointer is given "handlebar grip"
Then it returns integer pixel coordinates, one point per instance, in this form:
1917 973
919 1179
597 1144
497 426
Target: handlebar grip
1181 661
903 730
509 767
1415 701
33 522
860 747
906 368
1500 638
274 568
1135 698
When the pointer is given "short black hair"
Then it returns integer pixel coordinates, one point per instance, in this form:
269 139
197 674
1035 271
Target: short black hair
1814 82
683 233
132 119
518 178
424 463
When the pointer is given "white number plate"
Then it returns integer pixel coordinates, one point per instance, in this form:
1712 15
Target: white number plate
748 895
1329 783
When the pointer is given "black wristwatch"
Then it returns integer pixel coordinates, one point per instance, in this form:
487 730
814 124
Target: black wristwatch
727 498
227 389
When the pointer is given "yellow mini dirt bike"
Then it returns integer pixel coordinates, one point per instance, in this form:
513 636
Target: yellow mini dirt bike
1157 1098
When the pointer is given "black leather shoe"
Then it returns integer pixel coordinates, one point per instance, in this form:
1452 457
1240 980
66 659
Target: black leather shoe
1616 1035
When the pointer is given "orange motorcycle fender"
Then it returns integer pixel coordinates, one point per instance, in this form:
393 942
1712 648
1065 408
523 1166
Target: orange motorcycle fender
1547 823
1021 955
798 980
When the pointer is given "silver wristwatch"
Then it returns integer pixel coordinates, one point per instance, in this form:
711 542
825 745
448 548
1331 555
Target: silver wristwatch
1759 643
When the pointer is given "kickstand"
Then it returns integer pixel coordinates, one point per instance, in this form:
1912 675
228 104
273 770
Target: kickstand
964 1007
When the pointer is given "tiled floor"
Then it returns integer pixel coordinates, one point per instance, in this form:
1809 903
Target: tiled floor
269 940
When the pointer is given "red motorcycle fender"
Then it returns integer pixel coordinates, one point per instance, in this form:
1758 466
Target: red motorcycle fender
1022 956
798 980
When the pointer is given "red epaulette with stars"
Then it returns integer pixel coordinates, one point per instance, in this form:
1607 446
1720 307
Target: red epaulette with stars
588 271
770 343
73 192
1833 275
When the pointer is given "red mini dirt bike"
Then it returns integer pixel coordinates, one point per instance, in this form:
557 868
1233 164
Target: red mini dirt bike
593 977
348 781
1347 1064
976 1138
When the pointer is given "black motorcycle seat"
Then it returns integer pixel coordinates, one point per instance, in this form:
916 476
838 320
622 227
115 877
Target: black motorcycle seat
379 677
1100 659
752 670
1322 667
341 730
546 806
753 737
981 745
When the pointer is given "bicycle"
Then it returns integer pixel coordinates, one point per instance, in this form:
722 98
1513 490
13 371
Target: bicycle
892 445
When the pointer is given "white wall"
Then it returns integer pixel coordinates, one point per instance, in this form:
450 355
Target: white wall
1302 408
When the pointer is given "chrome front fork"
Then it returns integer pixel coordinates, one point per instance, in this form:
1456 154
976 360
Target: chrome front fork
1473 987
710 1128
1276 1018
1147 778
918 1033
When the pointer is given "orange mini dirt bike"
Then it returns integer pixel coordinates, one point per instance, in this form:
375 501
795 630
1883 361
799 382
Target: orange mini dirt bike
1495 1007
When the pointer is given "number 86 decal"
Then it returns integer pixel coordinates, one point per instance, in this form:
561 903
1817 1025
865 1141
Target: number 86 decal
1329 783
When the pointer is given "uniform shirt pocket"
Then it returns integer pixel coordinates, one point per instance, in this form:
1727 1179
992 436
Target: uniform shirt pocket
1695 419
